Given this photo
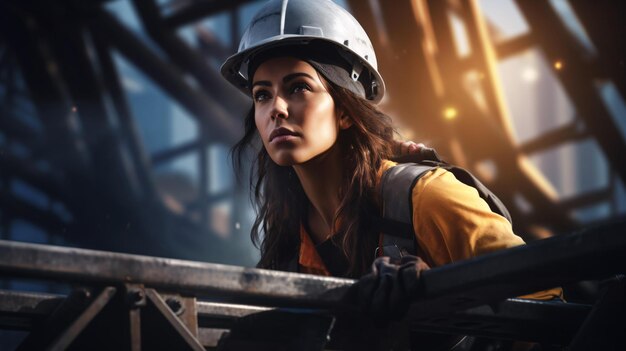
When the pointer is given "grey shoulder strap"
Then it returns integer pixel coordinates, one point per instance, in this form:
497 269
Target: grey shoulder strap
397 208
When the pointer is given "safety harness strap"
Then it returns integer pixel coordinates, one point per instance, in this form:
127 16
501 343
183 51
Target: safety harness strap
396 223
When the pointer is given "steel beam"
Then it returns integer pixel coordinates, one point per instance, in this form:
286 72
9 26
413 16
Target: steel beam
18 130
589 198
163 312
70 47
224 127
516 319
228 282
577 78
129 129
603 21
164 156
189 59
593 253
63 320
63 341
200 9
558 136
490 138
44 219
513 46
39 71
402 41
51 184
24 310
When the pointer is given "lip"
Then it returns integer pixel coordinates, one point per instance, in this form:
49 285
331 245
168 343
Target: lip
282 133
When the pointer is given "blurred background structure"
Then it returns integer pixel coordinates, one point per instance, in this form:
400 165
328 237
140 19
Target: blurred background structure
115 125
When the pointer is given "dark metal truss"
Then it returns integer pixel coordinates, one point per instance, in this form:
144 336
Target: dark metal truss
425 74
61 53
181 303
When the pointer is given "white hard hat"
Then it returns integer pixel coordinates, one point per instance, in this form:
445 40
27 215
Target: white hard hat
307 23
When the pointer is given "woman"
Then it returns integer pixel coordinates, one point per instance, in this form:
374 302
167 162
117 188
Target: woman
312 73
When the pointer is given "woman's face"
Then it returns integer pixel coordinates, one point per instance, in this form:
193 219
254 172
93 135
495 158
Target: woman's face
293 111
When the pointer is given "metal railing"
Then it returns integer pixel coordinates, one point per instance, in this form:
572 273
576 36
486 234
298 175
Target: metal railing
133 302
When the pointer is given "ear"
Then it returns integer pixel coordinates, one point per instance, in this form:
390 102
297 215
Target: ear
345 121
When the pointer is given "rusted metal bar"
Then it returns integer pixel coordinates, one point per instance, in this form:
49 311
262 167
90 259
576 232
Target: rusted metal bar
47 331
64 340
201 279
134 319
181 330
593 253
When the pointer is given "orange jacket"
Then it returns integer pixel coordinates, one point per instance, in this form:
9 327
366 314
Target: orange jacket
451 223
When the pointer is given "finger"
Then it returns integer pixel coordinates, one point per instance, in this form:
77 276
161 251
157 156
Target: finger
379 263
415 148
409 276
407 259
407 146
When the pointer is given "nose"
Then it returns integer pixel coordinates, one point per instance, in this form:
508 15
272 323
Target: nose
279 109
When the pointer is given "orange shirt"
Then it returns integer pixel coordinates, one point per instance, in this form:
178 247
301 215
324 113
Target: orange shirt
451 223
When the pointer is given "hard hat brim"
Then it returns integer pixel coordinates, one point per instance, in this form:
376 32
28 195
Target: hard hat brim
231 70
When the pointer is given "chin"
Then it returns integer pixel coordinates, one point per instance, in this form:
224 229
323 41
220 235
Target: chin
284 160
287 158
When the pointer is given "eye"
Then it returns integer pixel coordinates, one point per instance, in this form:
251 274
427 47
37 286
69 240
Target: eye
300 87
261 95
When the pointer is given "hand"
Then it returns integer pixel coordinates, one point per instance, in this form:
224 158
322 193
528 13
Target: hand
388 290
406 147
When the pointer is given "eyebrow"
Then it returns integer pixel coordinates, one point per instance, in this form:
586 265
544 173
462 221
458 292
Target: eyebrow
286 79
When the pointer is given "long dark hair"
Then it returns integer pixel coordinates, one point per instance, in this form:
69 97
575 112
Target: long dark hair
281 203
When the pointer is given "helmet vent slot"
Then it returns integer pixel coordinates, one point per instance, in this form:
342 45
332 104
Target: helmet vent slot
311 31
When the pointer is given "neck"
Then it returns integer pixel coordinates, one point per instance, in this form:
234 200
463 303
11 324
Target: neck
321 180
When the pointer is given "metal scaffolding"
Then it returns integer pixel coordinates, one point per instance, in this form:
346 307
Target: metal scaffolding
69 133
134 302
417 46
